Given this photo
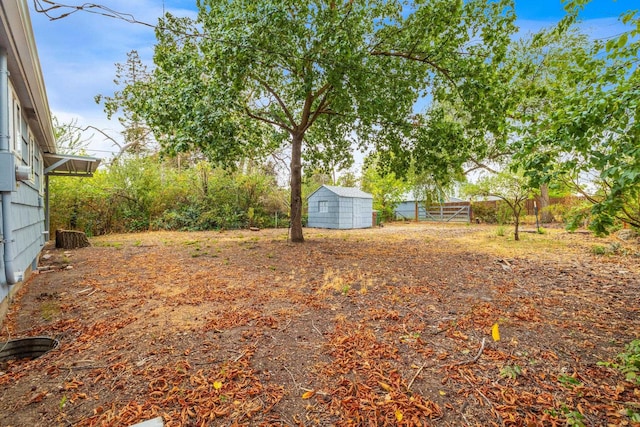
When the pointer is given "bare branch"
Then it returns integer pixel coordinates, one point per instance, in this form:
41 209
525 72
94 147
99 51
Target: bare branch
64 10
479 165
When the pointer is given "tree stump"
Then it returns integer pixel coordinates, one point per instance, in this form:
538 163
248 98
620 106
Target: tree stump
69 239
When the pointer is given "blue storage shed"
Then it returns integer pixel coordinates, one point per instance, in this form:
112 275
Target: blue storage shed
340 207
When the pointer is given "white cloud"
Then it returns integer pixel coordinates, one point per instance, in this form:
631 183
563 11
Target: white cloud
78 55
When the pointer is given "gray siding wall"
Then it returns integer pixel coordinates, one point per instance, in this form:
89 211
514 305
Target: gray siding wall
363 214
4 289
329 219
27 220
28 225
341 212
407 210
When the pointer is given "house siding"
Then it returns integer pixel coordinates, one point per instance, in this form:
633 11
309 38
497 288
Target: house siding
28 224
4 288
407 210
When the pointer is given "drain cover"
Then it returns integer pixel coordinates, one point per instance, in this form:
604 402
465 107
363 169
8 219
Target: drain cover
26 348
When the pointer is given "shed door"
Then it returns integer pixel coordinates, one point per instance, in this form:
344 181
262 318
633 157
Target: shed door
356 213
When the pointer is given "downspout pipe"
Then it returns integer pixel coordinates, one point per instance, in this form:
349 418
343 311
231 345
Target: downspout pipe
8 241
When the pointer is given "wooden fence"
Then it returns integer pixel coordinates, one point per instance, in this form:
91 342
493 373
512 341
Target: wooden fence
528 208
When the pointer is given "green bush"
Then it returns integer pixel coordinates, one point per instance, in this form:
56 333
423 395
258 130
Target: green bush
146 193
493 212
485 212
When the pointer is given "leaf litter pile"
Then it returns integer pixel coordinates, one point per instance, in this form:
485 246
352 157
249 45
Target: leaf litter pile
410 324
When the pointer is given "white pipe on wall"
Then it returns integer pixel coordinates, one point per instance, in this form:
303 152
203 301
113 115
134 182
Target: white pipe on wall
12 276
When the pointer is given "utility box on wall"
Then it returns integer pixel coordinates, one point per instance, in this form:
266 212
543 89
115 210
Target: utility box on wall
7 171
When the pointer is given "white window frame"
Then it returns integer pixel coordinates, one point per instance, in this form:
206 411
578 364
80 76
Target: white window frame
26 140
323 206
13 106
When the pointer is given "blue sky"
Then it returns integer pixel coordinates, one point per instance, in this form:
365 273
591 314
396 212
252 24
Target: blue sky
78 53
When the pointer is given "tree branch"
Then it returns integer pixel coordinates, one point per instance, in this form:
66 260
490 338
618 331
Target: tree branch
308 116
278 99
266 120
86 7
445 72
479 165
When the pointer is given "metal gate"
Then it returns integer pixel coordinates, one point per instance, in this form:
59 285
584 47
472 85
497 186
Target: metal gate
449 212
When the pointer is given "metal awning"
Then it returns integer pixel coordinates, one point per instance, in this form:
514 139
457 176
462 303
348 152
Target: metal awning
66 165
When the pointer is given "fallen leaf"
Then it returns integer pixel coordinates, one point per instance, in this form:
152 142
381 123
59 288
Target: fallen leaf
495 332
308 394
398 415
217 385
385 386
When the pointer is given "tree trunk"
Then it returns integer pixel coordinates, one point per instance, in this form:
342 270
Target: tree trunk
545 215
68 239
517 209
296 189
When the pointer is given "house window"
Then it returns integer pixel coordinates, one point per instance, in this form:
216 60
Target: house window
323 206
37 166
26 154
17 127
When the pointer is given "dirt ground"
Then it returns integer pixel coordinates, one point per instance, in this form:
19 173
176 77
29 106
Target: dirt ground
385 326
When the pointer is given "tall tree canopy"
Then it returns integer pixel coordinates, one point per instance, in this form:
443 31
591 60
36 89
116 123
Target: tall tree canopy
248 76
594 129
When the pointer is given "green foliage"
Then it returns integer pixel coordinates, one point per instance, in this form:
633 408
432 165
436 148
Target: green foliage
628 362
511 187
248 77
139 194
574 417
485 212
568 381
590 124
510 371
137 135
386 188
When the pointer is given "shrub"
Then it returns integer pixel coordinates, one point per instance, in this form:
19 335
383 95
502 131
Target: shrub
146 193
628 362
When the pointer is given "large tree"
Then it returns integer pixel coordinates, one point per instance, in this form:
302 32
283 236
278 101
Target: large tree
137 135
590 136
248 76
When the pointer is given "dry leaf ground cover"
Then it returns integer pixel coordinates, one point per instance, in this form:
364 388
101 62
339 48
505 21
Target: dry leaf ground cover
386 326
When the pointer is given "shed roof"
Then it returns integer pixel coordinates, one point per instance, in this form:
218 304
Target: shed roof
351 192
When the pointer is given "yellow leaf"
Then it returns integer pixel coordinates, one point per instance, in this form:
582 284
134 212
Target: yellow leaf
308 394
495 332
217 385
442 393
398 415
385 386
